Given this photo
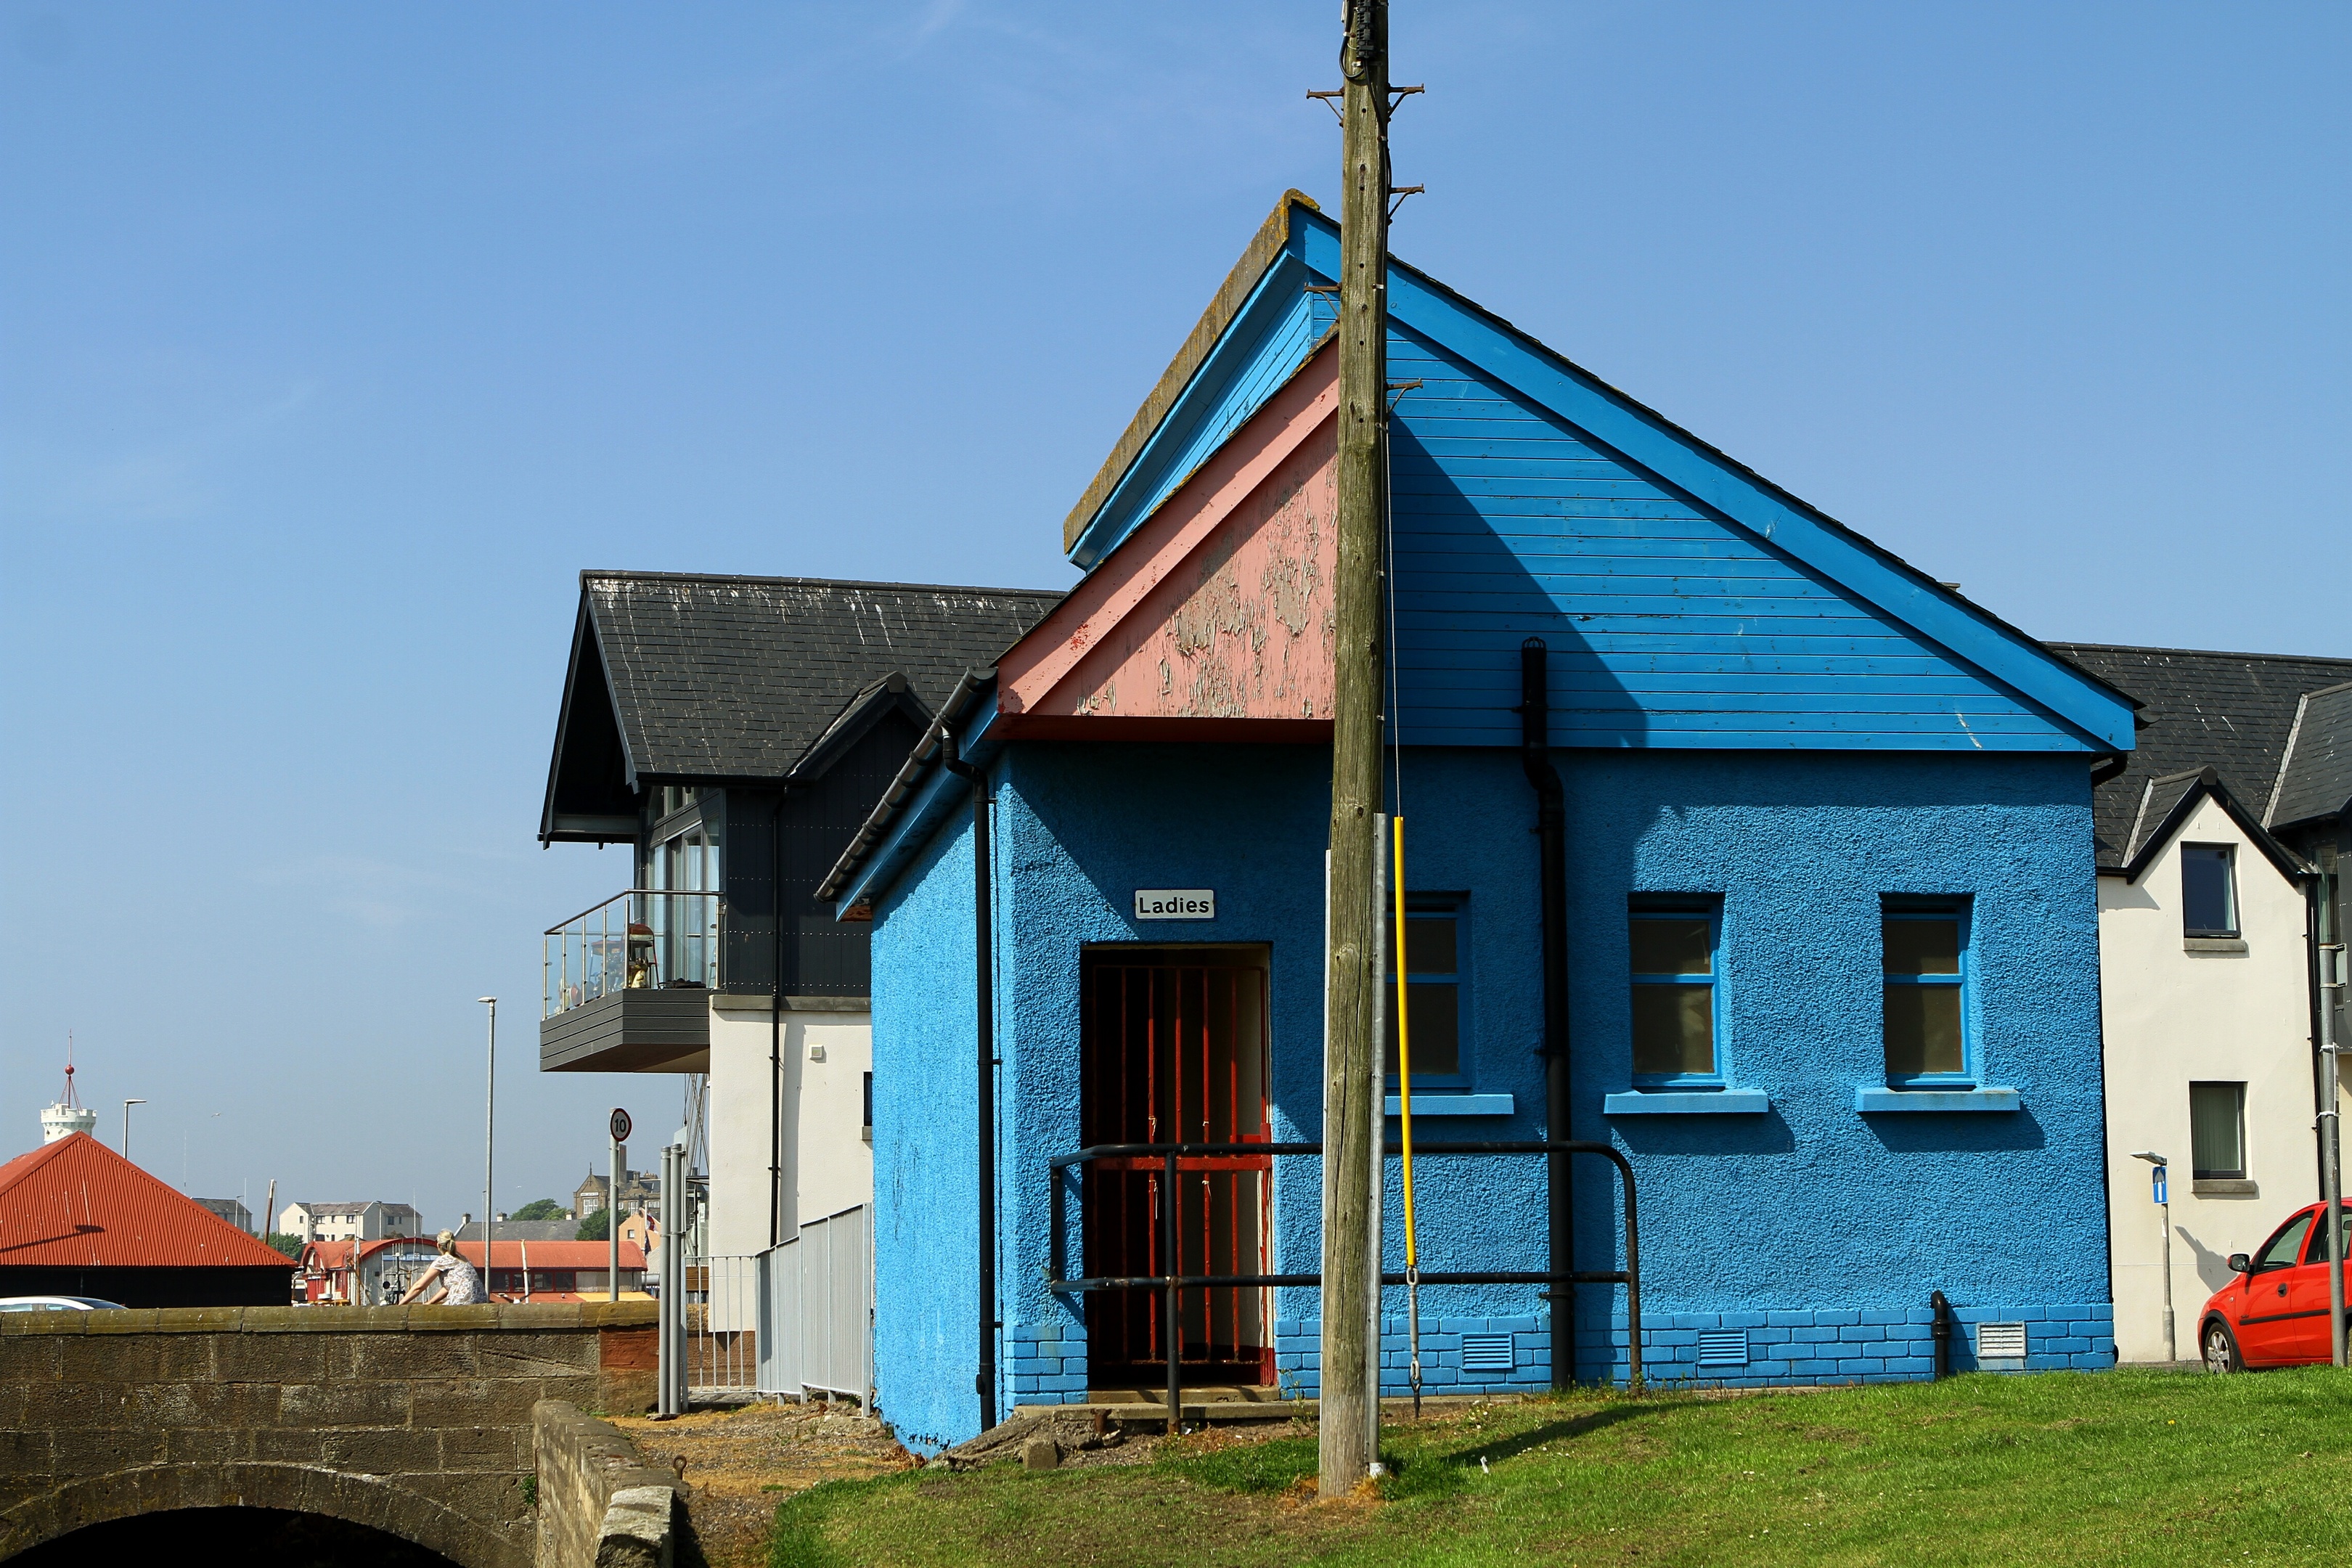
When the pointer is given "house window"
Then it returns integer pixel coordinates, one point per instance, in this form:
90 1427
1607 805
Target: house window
2217 1131
1674 982
1923 951
2209 889
867 1090
1432 989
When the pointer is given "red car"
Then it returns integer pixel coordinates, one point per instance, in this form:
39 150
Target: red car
2275 1312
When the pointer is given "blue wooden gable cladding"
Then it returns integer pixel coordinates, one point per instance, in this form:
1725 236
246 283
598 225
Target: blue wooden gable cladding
1686 602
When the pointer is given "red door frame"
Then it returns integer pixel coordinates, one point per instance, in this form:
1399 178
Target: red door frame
1163 1058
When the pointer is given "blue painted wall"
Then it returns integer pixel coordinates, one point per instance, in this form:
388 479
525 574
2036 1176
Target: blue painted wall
926 1168
1812 1212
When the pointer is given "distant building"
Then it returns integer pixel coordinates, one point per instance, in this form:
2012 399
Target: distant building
640 1192
527 1271
68 1115
522 1230
2221 843
230 1209
81 1220
367 1221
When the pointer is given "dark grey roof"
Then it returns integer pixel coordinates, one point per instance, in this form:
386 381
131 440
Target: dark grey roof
2316 779
720 678
2230 712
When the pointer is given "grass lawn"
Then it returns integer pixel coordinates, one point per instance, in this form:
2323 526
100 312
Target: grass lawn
2063 1468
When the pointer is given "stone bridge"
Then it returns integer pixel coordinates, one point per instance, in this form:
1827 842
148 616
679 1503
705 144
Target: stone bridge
416 1421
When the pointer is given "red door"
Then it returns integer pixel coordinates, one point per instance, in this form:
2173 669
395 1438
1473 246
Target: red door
1173 1049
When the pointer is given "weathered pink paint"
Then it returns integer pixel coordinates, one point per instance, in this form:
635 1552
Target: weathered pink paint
1216 612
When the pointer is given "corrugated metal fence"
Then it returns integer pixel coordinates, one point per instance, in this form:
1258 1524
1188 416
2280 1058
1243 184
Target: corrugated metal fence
817 1309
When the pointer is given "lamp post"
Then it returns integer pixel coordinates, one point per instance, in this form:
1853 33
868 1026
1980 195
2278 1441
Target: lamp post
126 1125
489 1141
2164 1222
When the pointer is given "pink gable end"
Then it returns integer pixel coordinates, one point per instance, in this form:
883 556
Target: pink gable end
1214 616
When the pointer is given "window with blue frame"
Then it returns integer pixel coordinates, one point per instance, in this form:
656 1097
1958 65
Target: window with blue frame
1923 948
1674 980
1433 952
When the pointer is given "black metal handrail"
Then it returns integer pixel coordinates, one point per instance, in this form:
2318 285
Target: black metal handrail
1170 1155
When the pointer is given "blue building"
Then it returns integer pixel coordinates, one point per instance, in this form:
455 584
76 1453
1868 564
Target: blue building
1830 949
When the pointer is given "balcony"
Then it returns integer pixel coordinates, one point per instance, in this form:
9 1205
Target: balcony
627 984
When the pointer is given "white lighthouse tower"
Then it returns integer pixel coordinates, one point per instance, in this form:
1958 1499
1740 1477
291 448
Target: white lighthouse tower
68 1115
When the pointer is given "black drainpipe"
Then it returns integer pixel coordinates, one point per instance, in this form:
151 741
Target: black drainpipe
984 1382
1551 832
1940 1332
776 1027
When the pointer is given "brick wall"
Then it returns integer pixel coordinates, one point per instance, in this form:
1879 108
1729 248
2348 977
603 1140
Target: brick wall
1743 1349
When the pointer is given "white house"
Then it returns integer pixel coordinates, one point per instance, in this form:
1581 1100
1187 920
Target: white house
368 1220
2217 866
735 732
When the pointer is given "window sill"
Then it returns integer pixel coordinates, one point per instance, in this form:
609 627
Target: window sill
2213 944
1696 1102
1428 1104
1873 1097
2224 1187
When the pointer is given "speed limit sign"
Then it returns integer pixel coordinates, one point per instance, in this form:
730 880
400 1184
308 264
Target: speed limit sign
620 1126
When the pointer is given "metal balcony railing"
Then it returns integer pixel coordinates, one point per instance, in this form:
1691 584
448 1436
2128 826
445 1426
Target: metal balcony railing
644 939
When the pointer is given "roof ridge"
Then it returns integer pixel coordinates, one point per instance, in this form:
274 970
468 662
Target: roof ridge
2205 652
2286 752
587 573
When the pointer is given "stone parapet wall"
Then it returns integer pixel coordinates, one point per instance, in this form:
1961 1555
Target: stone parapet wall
600 1506
416 1420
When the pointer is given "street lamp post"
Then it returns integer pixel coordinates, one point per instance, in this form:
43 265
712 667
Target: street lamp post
2157 1180
126 1125
489 1141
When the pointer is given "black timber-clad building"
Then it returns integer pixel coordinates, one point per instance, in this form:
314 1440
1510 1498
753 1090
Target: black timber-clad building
734 732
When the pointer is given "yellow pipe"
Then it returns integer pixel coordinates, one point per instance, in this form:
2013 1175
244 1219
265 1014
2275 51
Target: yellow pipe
1404 1041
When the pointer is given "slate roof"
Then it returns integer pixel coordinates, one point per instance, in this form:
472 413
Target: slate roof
718 678
77 1204
2230 712
2316 779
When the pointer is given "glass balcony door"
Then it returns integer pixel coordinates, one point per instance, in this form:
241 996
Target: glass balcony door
684 930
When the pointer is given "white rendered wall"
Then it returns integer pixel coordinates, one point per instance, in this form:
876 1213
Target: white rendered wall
2170 1017
827 1165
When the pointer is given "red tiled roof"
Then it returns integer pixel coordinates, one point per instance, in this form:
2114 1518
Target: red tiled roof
332 1255
77 1204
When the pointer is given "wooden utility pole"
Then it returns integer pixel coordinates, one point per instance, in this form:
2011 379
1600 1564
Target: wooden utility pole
1351 1055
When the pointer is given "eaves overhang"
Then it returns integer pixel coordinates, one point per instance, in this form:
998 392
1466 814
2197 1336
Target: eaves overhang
2203 785
916 799
1243 287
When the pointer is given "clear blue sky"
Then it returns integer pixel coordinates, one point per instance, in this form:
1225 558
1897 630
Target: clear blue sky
335 339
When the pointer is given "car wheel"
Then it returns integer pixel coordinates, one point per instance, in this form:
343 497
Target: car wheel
2221 1349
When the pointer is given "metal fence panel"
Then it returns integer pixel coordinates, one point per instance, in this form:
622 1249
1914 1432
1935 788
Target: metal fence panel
816 1303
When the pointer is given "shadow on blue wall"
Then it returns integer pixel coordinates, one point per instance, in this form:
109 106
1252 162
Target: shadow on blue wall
1710 1135
1956 1133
